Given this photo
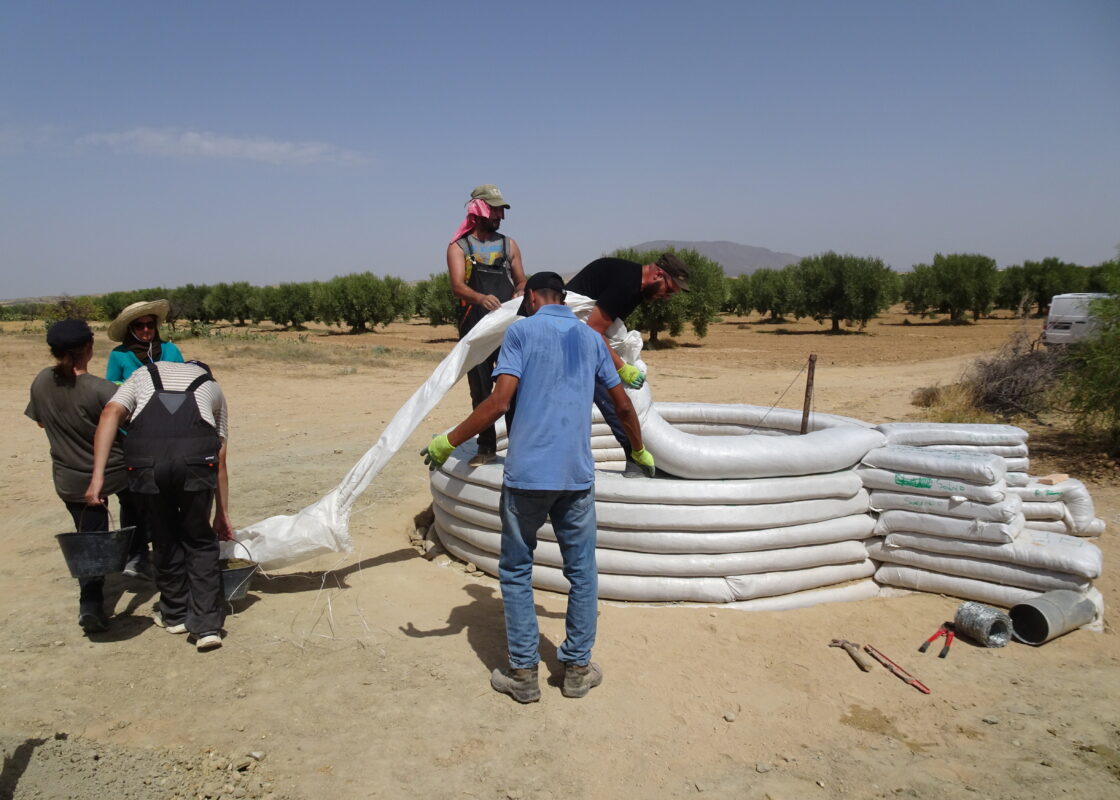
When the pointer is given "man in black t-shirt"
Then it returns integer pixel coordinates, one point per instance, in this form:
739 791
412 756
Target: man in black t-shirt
618 286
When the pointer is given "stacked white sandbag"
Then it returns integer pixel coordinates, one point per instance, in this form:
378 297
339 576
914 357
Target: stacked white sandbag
1006 441
1063 507
756 540
950 524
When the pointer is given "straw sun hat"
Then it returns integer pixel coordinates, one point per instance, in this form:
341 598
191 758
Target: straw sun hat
145 308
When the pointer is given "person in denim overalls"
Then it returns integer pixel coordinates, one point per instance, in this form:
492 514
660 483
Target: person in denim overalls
485 269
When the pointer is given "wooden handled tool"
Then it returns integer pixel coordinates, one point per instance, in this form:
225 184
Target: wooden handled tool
896 670
852 649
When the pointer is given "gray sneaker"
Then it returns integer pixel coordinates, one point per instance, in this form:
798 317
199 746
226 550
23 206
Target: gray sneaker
520 684
578 681
138 567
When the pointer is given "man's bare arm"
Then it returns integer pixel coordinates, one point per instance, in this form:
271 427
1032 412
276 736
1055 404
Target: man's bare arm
222 527
488 411
627 416
599 321
457 270
517 271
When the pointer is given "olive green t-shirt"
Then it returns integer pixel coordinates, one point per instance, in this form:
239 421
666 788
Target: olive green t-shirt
69 414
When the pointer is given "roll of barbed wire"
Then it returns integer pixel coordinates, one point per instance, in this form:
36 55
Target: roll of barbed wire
984 625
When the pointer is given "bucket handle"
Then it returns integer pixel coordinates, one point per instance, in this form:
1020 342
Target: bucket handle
256 568
245 547
82 515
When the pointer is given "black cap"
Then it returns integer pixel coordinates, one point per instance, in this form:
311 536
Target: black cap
69 333
545 280
676 269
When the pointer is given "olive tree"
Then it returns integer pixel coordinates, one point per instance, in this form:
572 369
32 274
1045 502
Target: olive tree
953 284
843 287
738 295
774 292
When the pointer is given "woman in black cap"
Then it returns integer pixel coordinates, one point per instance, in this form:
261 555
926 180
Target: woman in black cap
66 401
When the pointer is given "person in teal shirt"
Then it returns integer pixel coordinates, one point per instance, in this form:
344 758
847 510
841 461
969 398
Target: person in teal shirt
137 329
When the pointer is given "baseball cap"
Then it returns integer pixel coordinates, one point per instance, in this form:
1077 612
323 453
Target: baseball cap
489 193
545 280
68 333
676 269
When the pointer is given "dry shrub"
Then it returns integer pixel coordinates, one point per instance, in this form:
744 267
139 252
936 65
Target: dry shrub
952 403
926 396
1015 381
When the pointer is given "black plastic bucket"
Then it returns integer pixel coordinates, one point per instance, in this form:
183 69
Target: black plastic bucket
94 553
235 581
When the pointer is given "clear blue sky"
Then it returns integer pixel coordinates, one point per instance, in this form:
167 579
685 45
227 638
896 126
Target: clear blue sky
153 143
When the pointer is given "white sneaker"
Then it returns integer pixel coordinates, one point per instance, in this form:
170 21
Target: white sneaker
178 627
208 641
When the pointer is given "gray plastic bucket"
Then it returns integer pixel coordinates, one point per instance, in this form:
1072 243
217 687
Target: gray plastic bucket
92 553
1048 616
235 581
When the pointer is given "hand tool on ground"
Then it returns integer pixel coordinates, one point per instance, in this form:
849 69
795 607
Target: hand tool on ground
945 630
852 649
896 670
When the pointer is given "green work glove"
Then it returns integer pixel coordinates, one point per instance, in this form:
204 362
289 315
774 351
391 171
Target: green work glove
437 452
644 459
632 376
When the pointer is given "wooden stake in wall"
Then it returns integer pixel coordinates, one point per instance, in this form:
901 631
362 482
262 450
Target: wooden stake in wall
808 394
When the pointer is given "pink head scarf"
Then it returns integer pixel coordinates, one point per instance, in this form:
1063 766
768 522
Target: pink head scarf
475 208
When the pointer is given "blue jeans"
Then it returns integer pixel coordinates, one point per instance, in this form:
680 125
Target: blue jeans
572 515
606 407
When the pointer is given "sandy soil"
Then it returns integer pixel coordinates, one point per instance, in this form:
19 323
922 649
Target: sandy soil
365 675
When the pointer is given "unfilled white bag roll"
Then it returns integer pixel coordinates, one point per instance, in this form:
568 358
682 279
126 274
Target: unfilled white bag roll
875 478
1040 549
948 527
926 434
1007 511
972 467
1005 574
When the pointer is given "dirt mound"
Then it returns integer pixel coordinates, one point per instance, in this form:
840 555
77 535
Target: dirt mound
63 767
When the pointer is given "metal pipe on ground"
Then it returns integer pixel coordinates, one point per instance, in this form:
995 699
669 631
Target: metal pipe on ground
1048 616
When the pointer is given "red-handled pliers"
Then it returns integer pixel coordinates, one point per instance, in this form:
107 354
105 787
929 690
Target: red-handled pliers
945 630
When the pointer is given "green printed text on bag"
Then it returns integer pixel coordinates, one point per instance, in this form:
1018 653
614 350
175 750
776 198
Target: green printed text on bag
914 481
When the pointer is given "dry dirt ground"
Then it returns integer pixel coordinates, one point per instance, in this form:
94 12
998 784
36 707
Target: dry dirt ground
365 674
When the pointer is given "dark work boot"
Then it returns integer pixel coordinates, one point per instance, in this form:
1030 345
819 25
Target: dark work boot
578 681
91 605
91 616
520 684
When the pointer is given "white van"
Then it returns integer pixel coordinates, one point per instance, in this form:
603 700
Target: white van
1069 319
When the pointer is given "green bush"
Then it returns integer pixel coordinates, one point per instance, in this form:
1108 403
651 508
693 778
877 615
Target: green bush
435 300
1094 382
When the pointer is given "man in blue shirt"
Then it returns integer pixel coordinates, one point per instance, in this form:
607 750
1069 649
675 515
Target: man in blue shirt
549 364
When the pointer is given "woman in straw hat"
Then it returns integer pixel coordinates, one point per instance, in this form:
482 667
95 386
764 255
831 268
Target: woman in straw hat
137 329
66 401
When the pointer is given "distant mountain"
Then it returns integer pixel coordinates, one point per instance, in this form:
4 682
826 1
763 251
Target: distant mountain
735 258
